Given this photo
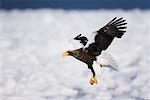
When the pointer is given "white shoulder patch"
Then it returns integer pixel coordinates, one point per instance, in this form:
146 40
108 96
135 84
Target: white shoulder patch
76 43
91 39
106 60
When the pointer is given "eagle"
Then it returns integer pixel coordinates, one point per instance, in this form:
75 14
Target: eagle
99 41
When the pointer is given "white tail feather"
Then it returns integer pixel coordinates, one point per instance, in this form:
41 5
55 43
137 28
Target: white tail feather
106 60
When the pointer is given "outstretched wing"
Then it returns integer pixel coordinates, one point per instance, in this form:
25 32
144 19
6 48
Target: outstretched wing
83 40
104 36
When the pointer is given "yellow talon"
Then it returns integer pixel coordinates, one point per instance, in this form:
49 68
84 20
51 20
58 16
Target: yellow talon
93 80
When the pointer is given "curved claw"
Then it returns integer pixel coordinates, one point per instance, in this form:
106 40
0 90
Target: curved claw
93 80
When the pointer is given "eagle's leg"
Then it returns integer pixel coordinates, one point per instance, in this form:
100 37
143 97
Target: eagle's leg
93 79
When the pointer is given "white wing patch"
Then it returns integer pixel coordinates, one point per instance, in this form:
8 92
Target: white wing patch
76 43
91 39
106 60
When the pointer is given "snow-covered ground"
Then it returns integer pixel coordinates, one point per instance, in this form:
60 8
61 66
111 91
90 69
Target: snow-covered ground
32 66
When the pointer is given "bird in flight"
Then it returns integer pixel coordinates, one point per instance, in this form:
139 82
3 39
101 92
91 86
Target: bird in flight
98 42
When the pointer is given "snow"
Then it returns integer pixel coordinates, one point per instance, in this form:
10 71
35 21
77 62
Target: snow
32 66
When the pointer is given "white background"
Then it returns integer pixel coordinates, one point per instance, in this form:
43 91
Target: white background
32 66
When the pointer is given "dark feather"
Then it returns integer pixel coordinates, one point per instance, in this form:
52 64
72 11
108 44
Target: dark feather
116 21
83 40
121 24
121 27
112 20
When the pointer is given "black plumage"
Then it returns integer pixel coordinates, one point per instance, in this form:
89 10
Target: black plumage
100 41
83 40
105 36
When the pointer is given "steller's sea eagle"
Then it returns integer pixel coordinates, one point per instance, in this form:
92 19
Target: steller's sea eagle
99 41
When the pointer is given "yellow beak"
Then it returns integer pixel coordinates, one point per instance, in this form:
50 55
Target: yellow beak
65 54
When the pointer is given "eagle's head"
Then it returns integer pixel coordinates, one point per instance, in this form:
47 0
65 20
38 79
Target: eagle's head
70 53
